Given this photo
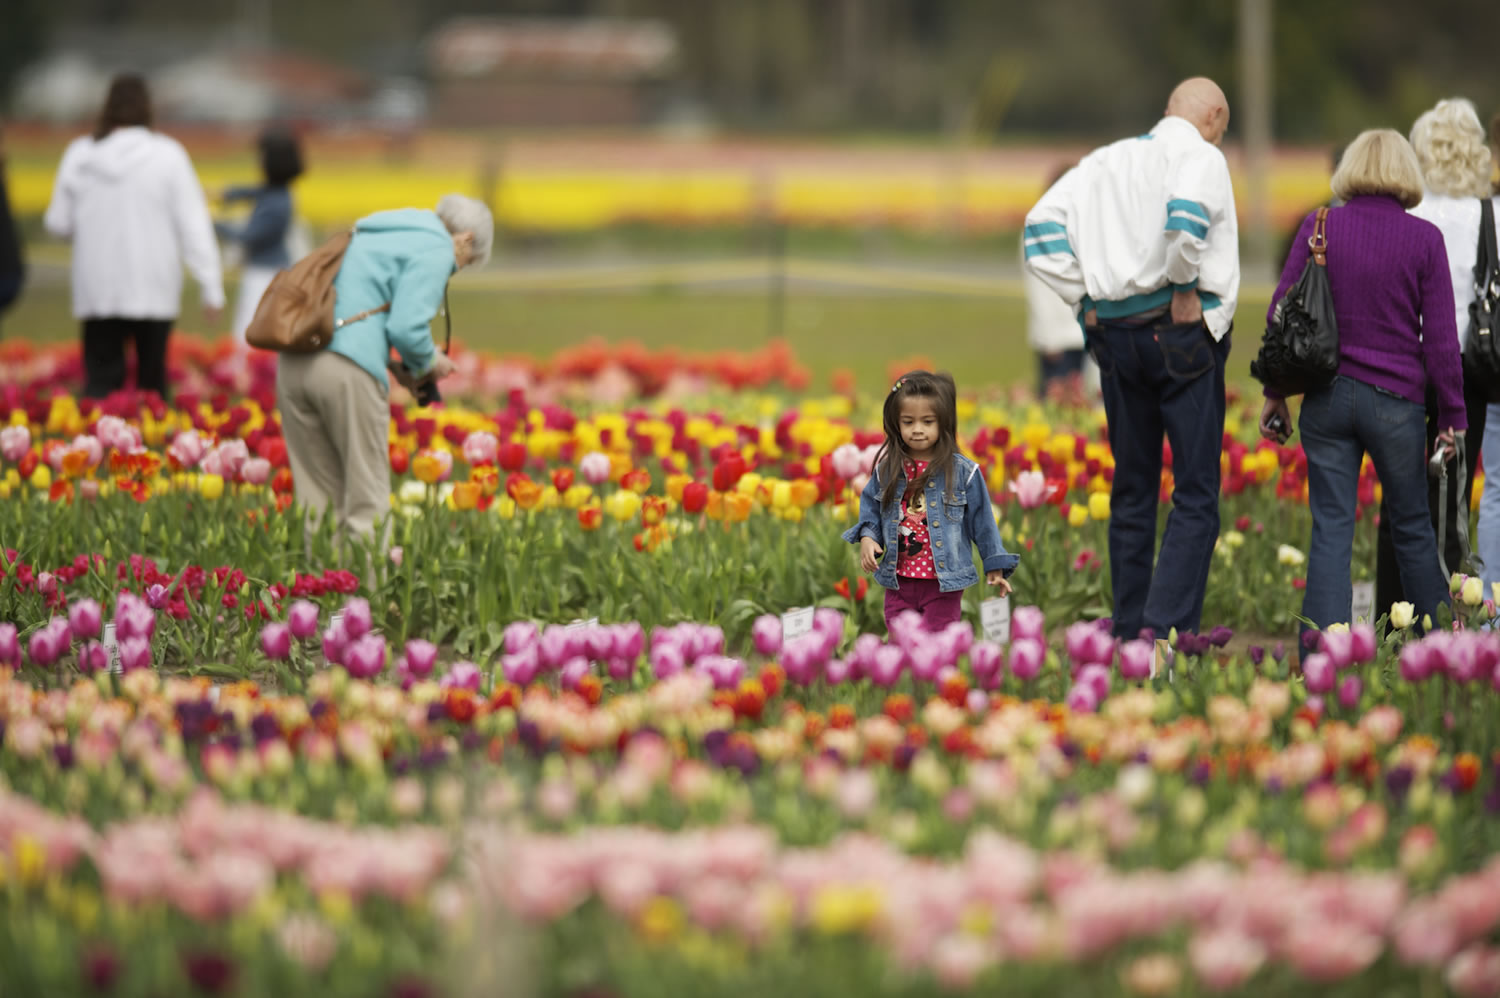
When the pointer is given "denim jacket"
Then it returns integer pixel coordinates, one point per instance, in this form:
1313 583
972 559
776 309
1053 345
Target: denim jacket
954 523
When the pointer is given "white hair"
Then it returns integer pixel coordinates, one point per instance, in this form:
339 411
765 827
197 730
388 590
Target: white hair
1450 147
465 214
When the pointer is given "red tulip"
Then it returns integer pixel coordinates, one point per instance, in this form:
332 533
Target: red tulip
512 456
400 459
694 497
562 479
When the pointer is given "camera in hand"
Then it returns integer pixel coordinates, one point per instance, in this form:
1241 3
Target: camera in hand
1278 426
425 392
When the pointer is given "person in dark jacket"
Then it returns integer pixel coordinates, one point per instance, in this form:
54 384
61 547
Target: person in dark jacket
12 265
264 236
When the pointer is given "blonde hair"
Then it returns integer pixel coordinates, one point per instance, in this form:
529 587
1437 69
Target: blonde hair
1381 162
1450 147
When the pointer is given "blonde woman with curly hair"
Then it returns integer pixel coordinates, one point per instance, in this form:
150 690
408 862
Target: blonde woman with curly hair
1456 163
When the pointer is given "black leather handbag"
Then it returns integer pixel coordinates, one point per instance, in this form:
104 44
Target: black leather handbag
1481 352
1300 349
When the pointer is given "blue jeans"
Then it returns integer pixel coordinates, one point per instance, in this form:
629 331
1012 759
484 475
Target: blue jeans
1157 379
1340 424
1488 542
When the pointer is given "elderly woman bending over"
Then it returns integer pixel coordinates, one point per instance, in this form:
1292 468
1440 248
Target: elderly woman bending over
333 403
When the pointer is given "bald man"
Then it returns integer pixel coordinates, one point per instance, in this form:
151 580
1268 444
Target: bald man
1141 239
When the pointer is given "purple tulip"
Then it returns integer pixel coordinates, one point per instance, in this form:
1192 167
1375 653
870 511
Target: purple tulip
726 672
961 634
421 656
364 658
10 646
463 676
556 647
906 629
838 671
863 652
519 636
335 642
135 653
86 619
158 596
987 662
133 618
667 661
92 657
705 640
1318 673
1081 699
621 669
800 659
1339 647
926 661
827 620
1026 658
276 641
1028 623
573 670
886 666
598 643
302 618
1096 678
1362 643
521 668
1220 636
1136 658
1350 688
44 646
357 619
766 633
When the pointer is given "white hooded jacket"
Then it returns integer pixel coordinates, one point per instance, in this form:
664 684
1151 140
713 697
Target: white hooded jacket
135 212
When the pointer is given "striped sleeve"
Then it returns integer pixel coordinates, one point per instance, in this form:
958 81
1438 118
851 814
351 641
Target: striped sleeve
1045 238
1198 192
1047 247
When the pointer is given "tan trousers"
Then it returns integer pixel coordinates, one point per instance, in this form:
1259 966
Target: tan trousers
337 427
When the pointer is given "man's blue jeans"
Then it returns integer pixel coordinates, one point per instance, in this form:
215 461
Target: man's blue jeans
1164 378
1340 424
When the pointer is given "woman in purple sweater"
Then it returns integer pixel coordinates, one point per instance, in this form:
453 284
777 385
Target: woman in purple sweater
1388 272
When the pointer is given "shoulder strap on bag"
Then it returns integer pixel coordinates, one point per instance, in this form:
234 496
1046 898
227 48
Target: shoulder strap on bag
341 323
1468 560
1487 264
1318 241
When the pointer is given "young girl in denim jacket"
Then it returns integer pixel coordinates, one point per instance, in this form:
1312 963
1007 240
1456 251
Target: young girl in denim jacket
925 507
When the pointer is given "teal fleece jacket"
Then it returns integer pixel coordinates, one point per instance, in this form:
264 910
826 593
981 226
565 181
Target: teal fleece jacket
403 257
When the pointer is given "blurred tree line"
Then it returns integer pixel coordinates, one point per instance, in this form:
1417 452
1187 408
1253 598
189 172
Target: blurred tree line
1087 68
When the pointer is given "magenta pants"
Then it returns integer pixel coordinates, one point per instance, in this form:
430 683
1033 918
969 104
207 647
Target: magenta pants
938 609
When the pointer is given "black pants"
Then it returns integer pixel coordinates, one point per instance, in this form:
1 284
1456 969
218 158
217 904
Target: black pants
1388 588
104 355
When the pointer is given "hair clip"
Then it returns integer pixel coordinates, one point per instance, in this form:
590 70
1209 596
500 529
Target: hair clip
898 384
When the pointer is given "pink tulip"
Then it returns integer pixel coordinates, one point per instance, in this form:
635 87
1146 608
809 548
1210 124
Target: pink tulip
829 622
157 596
10 646
1096 678
1350 689
838 671
276 641
335 642
628 640
85 618
978 701
573 670
357 619
1362 643
886 666
1224 959
187 449
256 471
1416 662
116 434
135 653
1339 647
987 662
133 618
621 669
667 661
49 643
365 656
959 636
92 657
1081 699
481 447
863 653
800 660
556 647
1318 673
519 636
1031 489
595 468
1136 658
520 668
907 630
421 656
1028 623
925 660
847 461
1475 973
232 455
302 619
15 441
725 672
1026 658
463 676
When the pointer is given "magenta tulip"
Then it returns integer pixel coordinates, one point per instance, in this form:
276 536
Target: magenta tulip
987 662
766 634
92 657
1362 643
421 656
302 618
276 641
1028 623
135 653
667 661
10 646
520 668
365 657
463 676
885 668
357 619
1026 658
335 642
1081 699
1136 658
519 636
85 618
837 671
1318 673
573 670
1350 688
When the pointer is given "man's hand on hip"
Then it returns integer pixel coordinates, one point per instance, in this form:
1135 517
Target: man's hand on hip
1186 306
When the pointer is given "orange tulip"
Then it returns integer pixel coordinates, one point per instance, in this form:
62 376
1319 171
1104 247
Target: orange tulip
714 505
675 486
737 507
487 478
465 496
427 467
590 517
653 510
526 493
804 493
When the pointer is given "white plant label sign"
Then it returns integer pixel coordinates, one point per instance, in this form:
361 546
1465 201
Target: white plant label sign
1364 602
795 623
994 618
112 648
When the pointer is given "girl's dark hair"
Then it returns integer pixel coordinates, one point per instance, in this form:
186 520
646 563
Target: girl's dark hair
280 157
891 459
127 105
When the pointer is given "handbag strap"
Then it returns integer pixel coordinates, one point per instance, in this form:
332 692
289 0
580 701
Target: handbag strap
1486 267
1318 241
1468 560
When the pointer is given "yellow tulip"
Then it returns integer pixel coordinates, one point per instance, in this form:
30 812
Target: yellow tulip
41 478
623 505
781 495
505 508
210 486
1099 506
1078 515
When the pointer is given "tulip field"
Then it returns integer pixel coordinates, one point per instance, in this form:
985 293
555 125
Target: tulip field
552 734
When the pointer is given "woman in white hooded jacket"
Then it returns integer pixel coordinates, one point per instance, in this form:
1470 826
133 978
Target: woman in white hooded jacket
128 199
